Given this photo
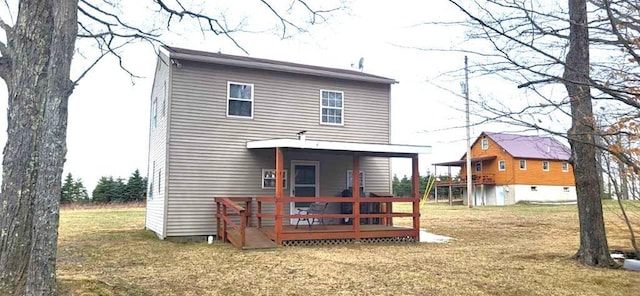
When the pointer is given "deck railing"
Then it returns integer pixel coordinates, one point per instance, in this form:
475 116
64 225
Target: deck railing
386 213
226 209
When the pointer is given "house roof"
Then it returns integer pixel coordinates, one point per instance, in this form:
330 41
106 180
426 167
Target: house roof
386 150
265 64
533 147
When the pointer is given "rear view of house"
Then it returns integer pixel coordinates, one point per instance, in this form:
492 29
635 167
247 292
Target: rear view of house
260 131
508 168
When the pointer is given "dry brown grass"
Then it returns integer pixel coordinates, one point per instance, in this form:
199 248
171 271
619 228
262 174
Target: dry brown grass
515 250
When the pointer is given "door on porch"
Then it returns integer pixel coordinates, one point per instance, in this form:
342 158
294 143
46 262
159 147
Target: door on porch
304 183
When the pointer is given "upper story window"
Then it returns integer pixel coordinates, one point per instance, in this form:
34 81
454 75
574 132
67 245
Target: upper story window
165 96
331 107
523 164
502 165
154 112
565 166
545 166
239 100
485 143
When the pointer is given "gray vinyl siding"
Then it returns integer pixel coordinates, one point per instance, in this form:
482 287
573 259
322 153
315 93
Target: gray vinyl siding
207 150
155 208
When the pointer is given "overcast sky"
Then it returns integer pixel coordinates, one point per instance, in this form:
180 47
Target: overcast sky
109 116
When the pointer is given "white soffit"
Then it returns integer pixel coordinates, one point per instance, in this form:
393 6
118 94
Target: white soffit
340 146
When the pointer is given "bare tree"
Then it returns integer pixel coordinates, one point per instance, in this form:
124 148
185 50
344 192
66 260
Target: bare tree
35 64
590 48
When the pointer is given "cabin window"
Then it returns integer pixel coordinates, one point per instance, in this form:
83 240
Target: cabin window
485 143
523 164
545 166
154 112
478 167
269 179
565 166
350 179
331 107
239 100
502 165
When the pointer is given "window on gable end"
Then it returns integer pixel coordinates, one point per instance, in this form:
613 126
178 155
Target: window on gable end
485 143
239 100
331 107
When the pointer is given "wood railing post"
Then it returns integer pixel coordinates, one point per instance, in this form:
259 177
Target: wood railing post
248 212
416 196
218 234
243 226
259 214
355 190
224 222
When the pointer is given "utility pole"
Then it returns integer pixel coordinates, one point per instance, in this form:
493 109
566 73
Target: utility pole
466 96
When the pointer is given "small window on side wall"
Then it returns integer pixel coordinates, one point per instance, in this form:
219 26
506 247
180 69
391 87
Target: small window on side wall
545 166
502 165
350 179
269 179
565 166
239 100
523 164
485 143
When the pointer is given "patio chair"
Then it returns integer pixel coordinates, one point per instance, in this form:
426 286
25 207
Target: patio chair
314 208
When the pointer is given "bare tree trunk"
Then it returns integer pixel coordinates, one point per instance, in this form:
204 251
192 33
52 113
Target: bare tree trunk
36 67
593 250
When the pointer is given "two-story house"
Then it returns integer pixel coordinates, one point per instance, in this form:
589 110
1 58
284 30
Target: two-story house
508 168
273 134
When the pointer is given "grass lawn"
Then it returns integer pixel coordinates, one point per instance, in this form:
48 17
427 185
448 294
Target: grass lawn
514 250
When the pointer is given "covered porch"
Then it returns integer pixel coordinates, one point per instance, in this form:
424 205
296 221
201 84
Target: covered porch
479 176
371 218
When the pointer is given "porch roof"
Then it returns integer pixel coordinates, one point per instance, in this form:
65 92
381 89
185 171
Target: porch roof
383 150
463 161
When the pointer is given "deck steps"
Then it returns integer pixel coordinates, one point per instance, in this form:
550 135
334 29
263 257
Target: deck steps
254 239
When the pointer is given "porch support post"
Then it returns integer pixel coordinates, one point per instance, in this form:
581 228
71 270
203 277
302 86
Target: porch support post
450 188
355 185
435 182
416 196
279 190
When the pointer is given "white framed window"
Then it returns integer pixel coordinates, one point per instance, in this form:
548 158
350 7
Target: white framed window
523 164
478 167
545 166
485 143
239 99
565 166
350 179
154 112
502 165
331 107
269 179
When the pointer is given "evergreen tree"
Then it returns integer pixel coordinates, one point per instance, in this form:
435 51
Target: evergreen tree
136 188
67 188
